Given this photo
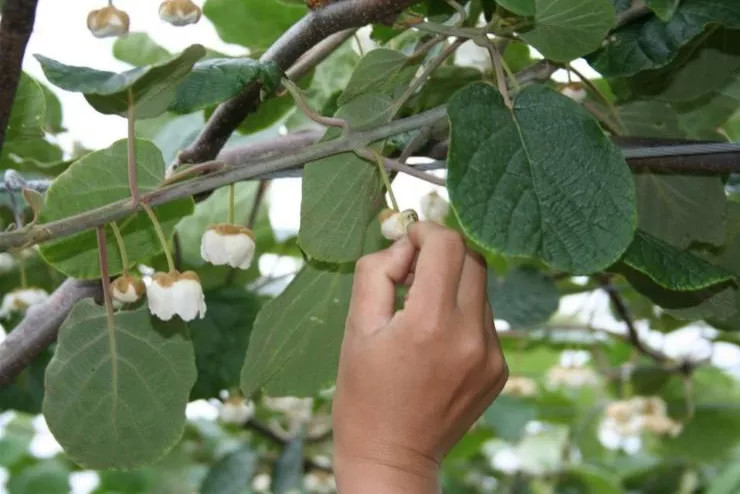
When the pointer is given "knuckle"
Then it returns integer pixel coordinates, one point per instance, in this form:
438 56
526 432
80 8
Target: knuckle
366 264
452 241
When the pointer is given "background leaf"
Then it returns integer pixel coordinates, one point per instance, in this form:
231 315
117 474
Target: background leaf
524 297
115 397
139 49
231 474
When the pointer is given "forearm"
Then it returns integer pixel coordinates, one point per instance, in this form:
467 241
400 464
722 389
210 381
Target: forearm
355 476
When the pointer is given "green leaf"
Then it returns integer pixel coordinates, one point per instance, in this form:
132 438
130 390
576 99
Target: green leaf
567 29
727 482
710 435
26 391
139 49
254 24
216 80
220 340
650 119
441 84
652 43
508 415
49 477
288 474
663 8
520 7
116 396
98 179
27 116
701 118
587 479
380 71
294 346
671 267
231 474
342 193
525 297
517 190
53 121
153 86
681 209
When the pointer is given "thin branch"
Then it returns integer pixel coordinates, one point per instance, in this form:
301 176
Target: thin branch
39 327
16 25
299 38
302 104
318 54
258 198
119 209
635 11
397 166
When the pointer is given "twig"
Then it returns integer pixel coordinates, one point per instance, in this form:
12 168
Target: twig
317 54
16 24
592 87
133 181
397 166
415 144
503 86
39 327
119 209
299 38
317 117
635 11
258 197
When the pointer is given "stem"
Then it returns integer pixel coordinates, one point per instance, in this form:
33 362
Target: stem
592 87
160 235
133 182
200 168
509 73
261 189
104 277
230 207
121 246
359 44
22 270
499 69
460 11
381 167
303 105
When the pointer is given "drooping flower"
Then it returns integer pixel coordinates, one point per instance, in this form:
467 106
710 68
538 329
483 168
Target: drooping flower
21 299
574 91
434 207
394 225
176 293
179 12
625 421
108 21
127 289
228 244
236 410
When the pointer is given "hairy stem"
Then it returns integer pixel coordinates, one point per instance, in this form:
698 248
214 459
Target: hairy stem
104 277
121 246
230 206
303 105
133 181
498 67
160 235
386 181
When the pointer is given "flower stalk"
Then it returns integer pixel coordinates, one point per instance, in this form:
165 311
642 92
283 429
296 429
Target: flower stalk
104 276
121 246
160 235
133 181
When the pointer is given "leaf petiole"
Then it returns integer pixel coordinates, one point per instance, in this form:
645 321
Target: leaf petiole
104 277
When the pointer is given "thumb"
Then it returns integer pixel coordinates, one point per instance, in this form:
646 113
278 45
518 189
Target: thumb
373 290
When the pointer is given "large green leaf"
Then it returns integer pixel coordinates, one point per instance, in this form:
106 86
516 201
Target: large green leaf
139 49
254 24
650 119
671 267
231 474
294 347
153 86
220 340
702 117
27 115
98 179
652 43
380 71
49 477
681 209
116 396
567 29
508 415
663 8
587 479
520 7
519 189
218 79
524 297
342 193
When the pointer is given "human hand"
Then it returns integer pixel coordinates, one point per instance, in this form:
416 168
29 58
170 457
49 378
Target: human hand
412 382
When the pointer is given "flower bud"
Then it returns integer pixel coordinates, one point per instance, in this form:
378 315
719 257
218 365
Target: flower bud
574 91
108 21
127 289
394 225
179 12
21 299
228 244
236 410
176 293
434 207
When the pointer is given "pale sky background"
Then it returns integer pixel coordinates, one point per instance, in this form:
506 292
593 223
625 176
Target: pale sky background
61 33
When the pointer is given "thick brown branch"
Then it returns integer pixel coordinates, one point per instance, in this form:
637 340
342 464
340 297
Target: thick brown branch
15 28
303 35
39 328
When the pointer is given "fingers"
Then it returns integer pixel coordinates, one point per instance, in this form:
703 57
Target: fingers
373 290
471 295
439 266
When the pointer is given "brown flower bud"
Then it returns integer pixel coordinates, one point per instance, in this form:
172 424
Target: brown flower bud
108 21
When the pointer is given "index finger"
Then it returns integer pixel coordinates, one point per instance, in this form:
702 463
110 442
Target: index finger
439 265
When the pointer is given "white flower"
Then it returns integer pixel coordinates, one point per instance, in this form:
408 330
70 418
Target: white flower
7 263
320 482
434 207
176 293
179 12
394 225
625 420
127 289
228 244
108 21
571 377
261 482
236 411
506 461
520 386
21 299
574 91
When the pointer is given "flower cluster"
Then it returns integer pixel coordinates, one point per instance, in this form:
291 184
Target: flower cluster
572 371
394 224
625 420
110 21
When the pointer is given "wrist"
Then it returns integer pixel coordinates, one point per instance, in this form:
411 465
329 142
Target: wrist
407 474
